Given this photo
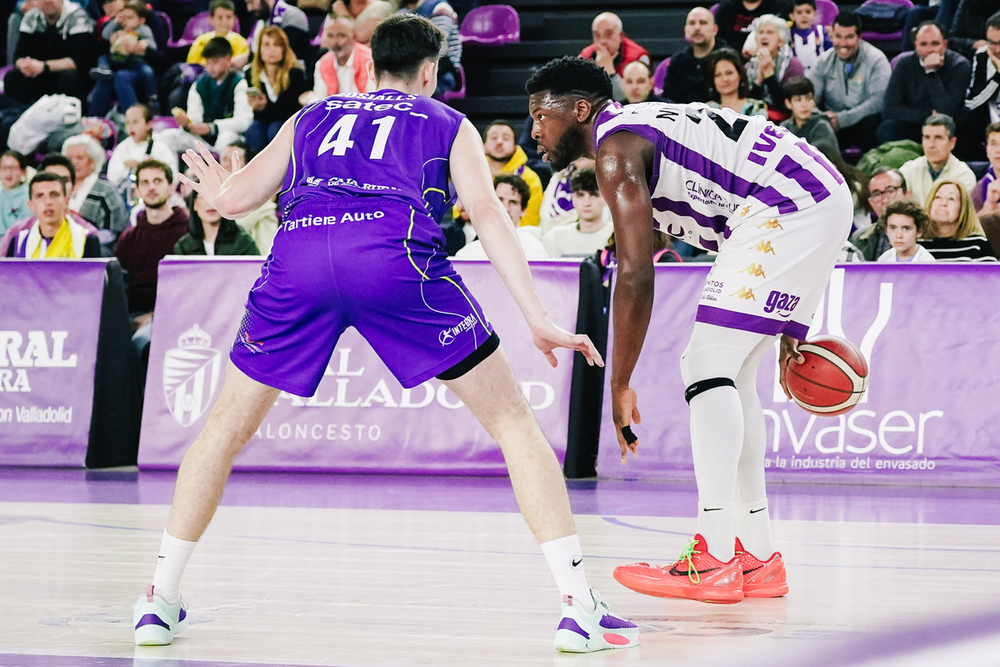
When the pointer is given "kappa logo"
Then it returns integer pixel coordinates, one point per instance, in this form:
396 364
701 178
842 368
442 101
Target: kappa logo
191 375
744 212
764 247
770 224
755 270
744 293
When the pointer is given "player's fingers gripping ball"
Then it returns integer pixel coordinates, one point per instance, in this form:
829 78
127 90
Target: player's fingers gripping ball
832 379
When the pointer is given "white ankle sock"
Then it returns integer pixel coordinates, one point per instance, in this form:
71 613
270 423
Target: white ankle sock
716 524
565 559
174 555
753 527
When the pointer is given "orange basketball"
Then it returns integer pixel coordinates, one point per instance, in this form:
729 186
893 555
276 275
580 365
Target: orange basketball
833 378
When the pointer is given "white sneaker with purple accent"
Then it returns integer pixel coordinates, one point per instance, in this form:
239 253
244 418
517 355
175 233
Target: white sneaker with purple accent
582 631
155 621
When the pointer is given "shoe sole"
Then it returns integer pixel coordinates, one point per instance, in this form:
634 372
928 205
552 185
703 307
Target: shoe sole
152 633
766 590
664 590
568 641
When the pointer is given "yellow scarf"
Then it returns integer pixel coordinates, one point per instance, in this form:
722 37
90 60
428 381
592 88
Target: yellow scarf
62 245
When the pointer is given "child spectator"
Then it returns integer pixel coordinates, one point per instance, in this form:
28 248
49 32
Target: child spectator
805 122
904 222
277 83
14 190
218 110
140 145
986 194
954 233
223 13
211 234
809 39
125 72
586 230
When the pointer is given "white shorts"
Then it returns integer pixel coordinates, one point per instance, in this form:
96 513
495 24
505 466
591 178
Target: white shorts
772 270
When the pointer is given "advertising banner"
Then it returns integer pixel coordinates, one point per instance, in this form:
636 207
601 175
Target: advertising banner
49 320
360 419
929 333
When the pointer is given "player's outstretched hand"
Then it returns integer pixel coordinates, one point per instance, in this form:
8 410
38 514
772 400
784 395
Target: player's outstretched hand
789 350
547 336
210 174
625 411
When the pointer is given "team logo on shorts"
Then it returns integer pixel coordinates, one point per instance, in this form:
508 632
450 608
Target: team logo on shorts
446 336
764 247
745 294
770 224
783 303
755 270
191 375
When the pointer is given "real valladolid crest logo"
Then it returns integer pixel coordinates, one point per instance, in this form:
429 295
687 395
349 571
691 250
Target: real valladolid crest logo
191 375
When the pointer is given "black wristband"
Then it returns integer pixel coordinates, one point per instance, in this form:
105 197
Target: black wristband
629 436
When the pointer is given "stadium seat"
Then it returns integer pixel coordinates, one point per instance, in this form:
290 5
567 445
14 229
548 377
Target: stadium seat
3 73
459 93
895 58
196 26
660 76
826 11
879 38
491 25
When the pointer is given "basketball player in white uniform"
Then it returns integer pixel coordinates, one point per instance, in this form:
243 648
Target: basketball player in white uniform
777 212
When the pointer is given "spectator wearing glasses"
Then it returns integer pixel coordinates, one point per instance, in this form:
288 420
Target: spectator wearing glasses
982 99
885 186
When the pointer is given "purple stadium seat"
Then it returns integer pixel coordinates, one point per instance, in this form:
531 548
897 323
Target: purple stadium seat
660 76
883 37
3 73
826 11
196 26
895 58
161 123
460 92
170 26
714 8
491 25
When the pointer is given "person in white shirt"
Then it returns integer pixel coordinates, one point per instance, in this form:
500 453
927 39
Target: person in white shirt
904 221
140 145
587 229
513 193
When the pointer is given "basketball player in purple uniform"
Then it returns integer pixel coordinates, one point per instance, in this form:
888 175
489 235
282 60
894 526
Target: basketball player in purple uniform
361 182
777 213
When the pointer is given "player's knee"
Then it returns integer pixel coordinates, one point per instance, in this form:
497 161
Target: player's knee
701 386
707 361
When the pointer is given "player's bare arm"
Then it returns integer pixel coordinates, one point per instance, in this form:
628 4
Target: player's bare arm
471 176
623 165
789 349
248 188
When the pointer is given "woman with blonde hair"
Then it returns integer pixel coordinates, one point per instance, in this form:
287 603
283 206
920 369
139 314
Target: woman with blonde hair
954 233
276 80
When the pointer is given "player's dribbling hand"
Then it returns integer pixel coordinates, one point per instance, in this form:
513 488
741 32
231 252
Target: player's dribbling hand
547 337
789 350
625 411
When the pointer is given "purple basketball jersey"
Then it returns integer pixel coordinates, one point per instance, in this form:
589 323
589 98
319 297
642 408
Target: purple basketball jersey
387 144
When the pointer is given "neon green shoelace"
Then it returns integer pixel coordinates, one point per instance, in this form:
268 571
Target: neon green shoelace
688 555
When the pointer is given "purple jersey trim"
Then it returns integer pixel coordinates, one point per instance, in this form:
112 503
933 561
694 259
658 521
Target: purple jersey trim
716 223
569 624
792 170
762 325
820 160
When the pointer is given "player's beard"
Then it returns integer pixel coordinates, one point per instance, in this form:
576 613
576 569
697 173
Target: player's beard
570 147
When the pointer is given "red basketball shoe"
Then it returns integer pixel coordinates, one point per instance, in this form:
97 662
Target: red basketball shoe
697 575
762 579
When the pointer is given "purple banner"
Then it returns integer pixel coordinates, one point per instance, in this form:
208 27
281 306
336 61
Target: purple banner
360 419
933 400
49 319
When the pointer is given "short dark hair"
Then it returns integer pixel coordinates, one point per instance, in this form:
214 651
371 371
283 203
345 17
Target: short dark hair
155 164
942 119
848 19
22 161
516 182
401 43
220 4
992 128
993 21
729 55
60 160
799 85
571 75
137 6
498 122
46 177
890 170
584 180
217 47
796 3
146 113
909 208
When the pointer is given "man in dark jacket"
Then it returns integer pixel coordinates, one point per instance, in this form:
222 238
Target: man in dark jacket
685 81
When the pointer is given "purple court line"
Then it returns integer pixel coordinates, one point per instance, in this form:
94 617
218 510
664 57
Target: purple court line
823 502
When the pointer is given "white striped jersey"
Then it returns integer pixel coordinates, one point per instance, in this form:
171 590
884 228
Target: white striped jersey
714 166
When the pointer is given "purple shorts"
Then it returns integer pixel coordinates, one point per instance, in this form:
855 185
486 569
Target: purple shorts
372 264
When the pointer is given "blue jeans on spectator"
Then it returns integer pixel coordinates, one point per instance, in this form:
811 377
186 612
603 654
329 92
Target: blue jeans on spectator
260 134
135 78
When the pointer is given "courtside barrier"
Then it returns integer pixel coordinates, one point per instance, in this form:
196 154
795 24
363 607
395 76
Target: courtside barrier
67 371
933 404
360 419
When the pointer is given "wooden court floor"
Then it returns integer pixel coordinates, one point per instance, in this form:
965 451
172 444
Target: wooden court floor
344 570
